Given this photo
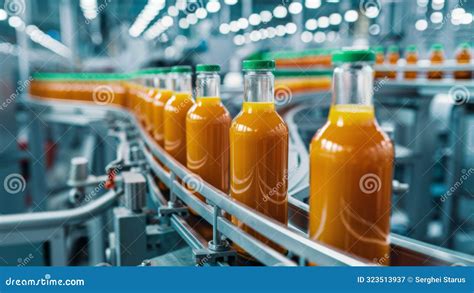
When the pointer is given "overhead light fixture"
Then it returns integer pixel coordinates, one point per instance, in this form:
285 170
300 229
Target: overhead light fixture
280 11
243 23
89 8
3 15
230 2
319 37
335 19
295 8
312 4
421 25
436 17
201 13
45 40
306 37
311 24
213 6
323 22
266 16
147 15
351 16
224 28
291 28
15 22
254 19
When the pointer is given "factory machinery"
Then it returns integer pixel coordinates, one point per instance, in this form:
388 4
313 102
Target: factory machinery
140 205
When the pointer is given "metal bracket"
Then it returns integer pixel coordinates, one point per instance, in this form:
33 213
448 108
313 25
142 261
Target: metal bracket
209 256
168 211
218 248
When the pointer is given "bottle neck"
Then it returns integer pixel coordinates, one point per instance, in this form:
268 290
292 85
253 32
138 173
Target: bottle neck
208 85
159 81
181 82
352 95
353 84
259 86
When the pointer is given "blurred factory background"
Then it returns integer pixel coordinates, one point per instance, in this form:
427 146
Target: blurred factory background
433 199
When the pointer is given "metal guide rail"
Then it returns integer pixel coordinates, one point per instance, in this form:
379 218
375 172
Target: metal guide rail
293 237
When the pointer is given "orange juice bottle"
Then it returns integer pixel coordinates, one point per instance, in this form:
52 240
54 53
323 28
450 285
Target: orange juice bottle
436 58
147 93
259 149
163 87
175 112
351 162
411 57
379 60
463 56
392 57
207 130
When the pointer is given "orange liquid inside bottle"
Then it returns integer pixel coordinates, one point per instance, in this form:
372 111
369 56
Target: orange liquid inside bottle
412 59
392 58
158 114
259 151
463 57
175 112
207 132
437 57
379 60
351 162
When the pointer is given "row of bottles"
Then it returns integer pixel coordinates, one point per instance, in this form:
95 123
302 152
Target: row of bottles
437 57
247 157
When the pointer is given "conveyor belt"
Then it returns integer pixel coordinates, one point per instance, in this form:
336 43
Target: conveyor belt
292 237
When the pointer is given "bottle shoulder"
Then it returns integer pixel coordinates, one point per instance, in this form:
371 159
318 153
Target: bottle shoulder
252 122
351 137
208 112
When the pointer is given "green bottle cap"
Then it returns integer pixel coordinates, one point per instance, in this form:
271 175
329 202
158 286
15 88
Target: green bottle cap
181 69
352 55
465 45
258 65
437 47
379 49
411 48
154 70
393 49
208 68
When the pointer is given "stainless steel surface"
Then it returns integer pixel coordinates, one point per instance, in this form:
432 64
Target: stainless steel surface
134 186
